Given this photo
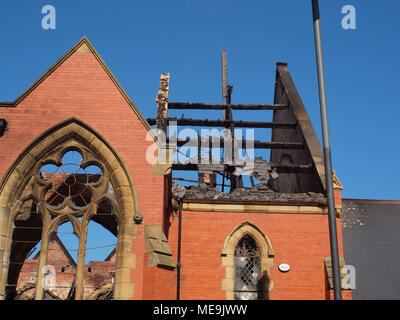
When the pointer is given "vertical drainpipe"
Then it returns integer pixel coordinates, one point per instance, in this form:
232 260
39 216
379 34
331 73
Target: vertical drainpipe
327 154
178 266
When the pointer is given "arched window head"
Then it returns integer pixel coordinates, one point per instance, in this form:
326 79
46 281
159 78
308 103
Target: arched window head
247 269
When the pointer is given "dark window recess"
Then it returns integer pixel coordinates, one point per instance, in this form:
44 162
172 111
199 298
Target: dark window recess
3 126
247 269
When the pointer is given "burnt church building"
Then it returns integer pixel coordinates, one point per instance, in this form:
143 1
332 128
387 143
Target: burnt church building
74 148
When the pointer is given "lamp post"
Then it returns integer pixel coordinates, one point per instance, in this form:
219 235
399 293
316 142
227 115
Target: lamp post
327 154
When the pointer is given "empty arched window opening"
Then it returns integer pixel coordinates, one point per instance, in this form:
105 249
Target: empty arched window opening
247 269
23 262
62 253
67 250
100 255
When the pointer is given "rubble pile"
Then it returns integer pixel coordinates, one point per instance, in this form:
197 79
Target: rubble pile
260 192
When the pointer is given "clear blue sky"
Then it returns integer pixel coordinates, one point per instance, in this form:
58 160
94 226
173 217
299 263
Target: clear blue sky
141 39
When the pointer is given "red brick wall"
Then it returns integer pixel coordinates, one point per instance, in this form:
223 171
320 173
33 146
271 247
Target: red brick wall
338 197
100 273
159 283
301 240
65 273
346 295
81 88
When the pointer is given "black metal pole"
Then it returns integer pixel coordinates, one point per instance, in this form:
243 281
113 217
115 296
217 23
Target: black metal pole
327 154
178 265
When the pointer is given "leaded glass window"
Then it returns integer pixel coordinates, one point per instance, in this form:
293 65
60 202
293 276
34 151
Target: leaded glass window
247 269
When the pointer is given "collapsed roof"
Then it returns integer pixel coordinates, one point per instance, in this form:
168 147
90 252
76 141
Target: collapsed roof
295 169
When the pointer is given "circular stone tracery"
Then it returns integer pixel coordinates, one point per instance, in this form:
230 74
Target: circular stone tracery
70 180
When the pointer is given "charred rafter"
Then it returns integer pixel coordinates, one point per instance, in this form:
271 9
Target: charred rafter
220 142
281 168
225 123
207 106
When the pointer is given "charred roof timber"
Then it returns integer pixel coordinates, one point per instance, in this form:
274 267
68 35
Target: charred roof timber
204 106
296 157
225 123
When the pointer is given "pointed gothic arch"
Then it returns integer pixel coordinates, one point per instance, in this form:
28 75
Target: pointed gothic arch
71 134
228 258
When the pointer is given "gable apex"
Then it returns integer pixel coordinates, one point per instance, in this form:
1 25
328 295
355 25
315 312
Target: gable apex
83 46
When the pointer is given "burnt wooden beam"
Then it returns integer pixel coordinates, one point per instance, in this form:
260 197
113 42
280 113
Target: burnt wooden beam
206 106
195 181
262 124
279 167
257 144
276 145
226 123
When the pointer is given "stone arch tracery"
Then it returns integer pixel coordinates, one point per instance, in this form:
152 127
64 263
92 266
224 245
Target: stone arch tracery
23 182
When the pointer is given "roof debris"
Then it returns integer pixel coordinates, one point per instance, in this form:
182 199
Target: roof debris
260 192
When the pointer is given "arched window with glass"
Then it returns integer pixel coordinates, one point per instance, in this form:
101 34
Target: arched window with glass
247 261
